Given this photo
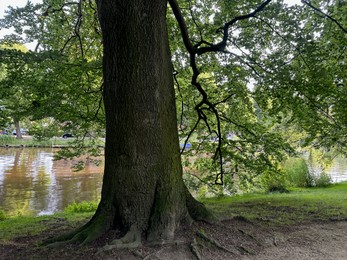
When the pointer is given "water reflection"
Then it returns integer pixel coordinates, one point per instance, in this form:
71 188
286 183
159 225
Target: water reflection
32 183
338 170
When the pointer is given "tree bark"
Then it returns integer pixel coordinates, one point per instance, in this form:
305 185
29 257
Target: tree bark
143 173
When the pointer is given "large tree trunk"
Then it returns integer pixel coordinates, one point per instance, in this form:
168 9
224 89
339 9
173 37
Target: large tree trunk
143 190
143 173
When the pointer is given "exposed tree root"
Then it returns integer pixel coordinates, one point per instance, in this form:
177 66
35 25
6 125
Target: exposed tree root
250 236
163 246
194 247
150 256
131 240
216 243
95 228
198 211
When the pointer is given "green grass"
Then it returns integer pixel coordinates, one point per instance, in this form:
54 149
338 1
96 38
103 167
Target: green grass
84 206
22 226
298 206
11 227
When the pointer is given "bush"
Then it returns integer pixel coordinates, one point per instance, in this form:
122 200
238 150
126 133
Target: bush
302 174
323 180
298 174
274 182
83 206
6 139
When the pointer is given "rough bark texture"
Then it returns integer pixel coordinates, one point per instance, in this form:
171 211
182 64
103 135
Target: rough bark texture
143 175
143 191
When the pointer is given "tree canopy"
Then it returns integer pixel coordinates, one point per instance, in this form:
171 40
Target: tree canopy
249 70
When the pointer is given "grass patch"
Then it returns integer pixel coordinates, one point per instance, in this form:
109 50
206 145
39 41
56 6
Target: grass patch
2 215
21 226
300 205
71 217
82 207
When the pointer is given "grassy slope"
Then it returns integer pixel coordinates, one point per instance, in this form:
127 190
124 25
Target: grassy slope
299 206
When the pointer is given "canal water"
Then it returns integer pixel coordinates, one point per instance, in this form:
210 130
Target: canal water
31 182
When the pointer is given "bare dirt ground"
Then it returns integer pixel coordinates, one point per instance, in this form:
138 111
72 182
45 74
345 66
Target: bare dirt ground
232 239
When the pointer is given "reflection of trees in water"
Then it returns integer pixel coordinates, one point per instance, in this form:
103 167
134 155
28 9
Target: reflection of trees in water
6 159
338 171
32 181
17 186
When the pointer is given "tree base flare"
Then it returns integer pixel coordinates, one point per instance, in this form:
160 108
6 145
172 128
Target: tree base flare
132 239
198 211
95 228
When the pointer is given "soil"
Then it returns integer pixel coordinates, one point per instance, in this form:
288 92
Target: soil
235 238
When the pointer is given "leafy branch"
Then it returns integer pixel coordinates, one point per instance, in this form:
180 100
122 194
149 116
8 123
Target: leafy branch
195 50
324 14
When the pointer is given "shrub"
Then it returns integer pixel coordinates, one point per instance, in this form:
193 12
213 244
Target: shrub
6 139
323 180
301 173
297 172
274 182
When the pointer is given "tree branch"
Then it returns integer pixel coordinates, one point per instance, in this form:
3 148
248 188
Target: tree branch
193 52
324 14
221 45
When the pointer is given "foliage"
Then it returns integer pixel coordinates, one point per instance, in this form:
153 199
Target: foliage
41 130
302 173
298 173
323 180
275 183
6 140
61 79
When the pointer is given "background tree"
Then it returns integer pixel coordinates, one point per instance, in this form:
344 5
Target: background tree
14 96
